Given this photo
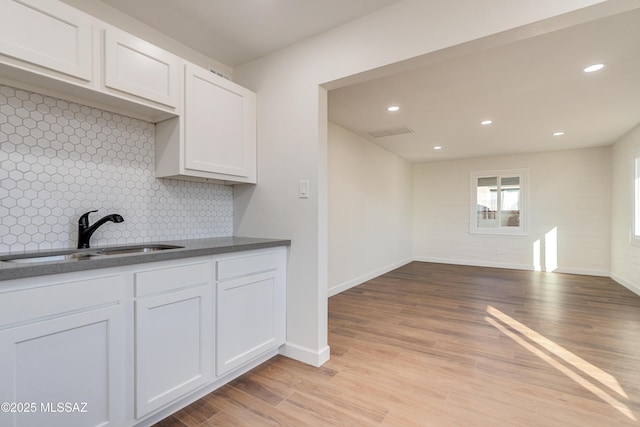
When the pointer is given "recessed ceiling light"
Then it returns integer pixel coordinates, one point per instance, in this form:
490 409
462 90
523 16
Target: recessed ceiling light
594 67
437 147
393 108
486 122
560 133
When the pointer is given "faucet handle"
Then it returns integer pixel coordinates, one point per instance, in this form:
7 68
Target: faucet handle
84 218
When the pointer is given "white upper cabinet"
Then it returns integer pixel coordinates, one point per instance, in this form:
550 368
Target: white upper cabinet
49 47
206 124
136 67
220 128
49 34
217 138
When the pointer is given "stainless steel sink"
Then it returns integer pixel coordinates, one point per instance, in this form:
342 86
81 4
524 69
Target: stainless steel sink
76 256
136 249
84 255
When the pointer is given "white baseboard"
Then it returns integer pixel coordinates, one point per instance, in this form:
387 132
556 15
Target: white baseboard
633 288
474 263
305 354
366 277
583 271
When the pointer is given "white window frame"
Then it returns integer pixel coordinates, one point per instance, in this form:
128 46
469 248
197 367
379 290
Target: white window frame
522 228
635 226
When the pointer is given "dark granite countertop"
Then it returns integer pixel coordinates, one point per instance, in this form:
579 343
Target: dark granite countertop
190 248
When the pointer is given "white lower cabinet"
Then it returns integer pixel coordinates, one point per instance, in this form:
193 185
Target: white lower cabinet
174 334
62 365
126 346
250 308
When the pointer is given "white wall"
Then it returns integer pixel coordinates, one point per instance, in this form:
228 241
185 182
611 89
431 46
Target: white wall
292 125
370 210
569 205
625 256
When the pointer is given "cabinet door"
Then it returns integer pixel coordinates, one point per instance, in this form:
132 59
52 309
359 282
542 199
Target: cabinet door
173 346
220 125
249 322
136 67
49 34
68 370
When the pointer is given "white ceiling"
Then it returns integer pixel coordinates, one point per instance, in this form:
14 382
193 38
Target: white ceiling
237 31
529 88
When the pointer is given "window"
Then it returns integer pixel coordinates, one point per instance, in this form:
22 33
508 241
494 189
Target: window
498 202
636 194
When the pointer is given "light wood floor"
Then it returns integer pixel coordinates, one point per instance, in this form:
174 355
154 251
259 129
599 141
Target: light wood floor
442 345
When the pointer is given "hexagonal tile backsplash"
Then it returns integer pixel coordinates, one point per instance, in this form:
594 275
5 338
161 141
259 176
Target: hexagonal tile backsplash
59 159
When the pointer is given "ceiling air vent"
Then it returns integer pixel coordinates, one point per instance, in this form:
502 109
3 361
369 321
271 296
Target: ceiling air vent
390 132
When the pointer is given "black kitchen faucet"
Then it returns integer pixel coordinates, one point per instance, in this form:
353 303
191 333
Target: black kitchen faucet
85 231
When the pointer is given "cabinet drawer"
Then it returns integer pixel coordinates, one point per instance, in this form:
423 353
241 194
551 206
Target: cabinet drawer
57 298
167 279
247 265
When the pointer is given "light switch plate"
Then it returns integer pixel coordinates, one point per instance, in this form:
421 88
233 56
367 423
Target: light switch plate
303 189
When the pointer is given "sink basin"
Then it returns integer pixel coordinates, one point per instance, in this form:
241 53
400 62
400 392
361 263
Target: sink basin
76 256
136 249
85 254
